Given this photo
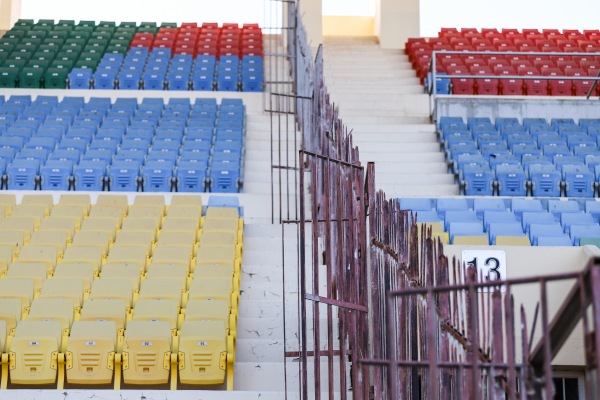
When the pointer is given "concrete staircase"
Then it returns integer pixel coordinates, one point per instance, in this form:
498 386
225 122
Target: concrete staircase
382 102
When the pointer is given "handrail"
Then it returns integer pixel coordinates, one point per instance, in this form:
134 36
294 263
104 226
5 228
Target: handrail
430 88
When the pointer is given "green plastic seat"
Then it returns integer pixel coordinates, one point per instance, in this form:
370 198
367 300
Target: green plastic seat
14 62
56 78
591 241
66 22
58 34
38 63
31 77
168 25
107 24
44 22
86 24
9 77
24 22
127 24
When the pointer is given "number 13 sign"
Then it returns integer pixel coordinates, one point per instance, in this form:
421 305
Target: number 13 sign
490 264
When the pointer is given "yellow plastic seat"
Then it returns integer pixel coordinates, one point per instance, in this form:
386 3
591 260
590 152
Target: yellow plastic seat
44 200
64 288
193 213
163 289
223 225
153 310
7 202
39 254
73 211
53 309
220 239
162 271
14 239
181 225
22 224
129 271
173 255
151 200
60 224
209 310
119 201
137 255
113 213
81 271
202 353
214 288
141 224
177 239
113 288
472 240
10 314
512 241
100 310
180 199
222 213
33 355
21 289
75 199
90 352
155 213
91 255
218 255
3 334
57 239
7 256
109 225
34 271
218 271
97 238
147 353
35 211
136 238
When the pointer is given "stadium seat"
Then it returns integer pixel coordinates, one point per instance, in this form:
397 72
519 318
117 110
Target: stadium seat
203 352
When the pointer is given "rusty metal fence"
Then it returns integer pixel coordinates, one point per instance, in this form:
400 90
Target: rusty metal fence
379 311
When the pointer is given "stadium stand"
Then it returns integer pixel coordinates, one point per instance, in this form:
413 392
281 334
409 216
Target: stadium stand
112 305
106 56
178 146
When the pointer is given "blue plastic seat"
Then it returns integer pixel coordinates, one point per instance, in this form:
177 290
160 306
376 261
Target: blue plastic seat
482 204
451 203
70 154
459 216
477 180
570 219
579 181
227 81
496 229
105 78
520 205
537 231
22 173
592 207
223 201
583 231
154 80
511 180
80 78
493 216
554 241
465 229
545 180
90 175
190 175
124 175
56 175
178 80
129 80
225 176
157 176
252 81
536 217
426 216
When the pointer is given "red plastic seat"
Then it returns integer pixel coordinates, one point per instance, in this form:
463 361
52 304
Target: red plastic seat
446 31
581 87
566 64
529 31
558 87
533 87
461 85
544 62
509 86
485 86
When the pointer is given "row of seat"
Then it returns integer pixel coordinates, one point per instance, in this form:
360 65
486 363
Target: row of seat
157 70
533 157
147 272
46 56
125 146
509 221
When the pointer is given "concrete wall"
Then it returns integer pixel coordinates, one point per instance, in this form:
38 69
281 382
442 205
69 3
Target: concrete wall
10 11
334 25
396 21
534 262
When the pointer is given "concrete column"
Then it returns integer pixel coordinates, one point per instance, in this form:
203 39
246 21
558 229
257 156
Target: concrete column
10 11
396 21
311 12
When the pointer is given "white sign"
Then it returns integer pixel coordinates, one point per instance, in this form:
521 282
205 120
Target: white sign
490 264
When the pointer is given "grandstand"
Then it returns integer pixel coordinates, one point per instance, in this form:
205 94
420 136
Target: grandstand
181 219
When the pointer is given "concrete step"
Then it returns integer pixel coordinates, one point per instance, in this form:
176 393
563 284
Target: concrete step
80 394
